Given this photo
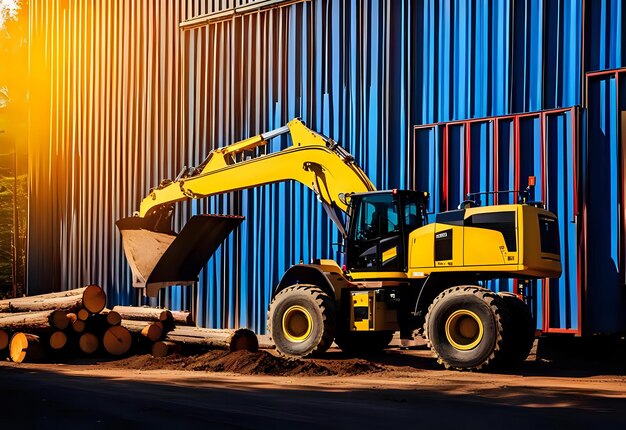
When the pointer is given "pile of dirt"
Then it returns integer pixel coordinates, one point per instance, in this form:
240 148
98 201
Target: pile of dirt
248 363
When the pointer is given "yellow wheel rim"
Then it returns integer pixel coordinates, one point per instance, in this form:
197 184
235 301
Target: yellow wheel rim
297 323
464 330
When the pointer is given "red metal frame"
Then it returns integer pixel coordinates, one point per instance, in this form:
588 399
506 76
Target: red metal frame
444 170
496 160
516 118
468 158
615 74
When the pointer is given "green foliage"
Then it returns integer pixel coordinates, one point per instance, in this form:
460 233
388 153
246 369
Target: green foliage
6 231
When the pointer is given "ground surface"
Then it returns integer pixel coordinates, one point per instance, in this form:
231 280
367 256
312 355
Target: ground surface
246 390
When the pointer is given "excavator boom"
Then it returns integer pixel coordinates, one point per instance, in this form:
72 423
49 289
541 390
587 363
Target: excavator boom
155 253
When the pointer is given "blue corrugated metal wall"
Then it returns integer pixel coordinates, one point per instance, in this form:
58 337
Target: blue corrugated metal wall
349 69
363 72
604 153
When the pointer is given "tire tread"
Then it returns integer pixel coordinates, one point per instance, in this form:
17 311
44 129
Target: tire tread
502 319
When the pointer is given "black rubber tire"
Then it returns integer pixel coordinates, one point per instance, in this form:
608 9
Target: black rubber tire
493 315
321 308
355 342
522 330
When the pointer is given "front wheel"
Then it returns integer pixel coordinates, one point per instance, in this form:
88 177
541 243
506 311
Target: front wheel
301 321
466 327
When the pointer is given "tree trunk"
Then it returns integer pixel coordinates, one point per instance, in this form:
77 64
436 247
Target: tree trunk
37 303
4 339
88 343
153 331
183 318
59 320
8 304
163 348
25 347
117 340
94 299
82 314
91 298
137 313
233 340
114 318
28 321
58 340
79 326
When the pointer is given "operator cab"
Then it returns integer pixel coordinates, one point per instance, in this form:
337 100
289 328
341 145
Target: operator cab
380 223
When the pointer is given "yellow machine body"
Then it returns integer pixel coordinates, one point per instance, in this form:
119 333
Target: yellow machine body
310 160
459 247
370 312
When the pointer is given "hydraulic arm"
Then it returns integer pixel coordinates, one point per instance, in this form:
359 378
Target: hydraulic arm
313 160
154 252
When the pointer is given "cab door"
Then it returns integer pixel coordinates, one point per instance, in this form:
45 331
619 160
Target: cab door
375 241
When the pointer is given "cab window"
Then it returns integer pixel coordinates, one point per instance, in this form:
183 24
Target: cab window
377 217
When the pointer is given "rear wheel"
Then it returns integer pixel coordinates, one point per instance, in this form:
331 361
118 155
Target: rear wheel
466 327
301 321
522 329
363 341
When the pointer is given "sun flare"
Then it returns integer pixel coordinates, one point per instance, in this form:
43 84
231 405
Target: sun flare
8 11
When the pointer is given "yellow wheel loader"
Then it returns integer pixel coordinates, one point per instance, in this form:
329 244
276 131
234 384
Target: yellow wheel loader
401 273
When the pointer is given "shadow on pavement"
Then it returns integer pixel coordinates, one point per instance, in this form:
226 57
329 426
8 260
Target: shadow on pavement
45 399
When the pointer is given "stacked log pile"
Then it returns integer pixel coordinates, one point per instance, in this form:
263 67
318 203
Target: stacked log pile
77 322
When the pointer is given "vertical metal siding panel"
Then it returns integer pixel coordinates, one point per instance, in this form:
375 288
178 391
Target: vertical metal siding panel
559 144
621 181
500 58
605 35
96 103
425 175
604 306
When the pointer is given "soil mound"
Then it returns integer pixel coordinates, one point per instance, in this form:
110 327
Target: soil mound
248 363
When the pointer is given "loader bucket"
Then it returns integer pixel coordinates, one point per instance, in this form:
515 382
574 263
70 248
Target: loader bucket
161 259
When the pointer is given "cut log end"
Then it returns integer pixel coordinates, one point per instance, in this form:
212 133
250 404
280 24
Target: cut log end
88 343
114 318
25 347
83 314
59 320
79 326
244 339
4 339
164 348
58 340
94 299
117 340
153 331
